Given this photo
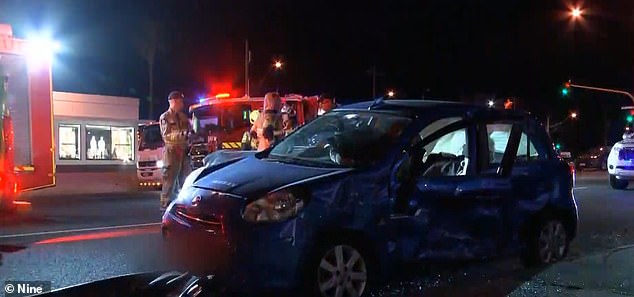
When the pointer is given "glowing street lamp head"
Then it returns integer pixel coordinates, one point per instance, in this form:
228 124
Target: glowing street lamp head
573 115
490 103
278 65
576 12
41 50
391 94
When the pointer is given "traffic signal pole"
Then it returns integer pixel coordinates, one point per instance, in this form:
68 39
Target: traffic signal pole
629 95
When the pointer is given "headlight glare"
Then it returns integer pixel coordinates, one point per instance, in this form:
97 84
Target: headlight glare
274 207
159 164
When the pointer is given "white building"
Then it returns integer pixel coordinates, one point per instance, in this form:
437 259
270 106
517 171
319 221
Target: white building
95 129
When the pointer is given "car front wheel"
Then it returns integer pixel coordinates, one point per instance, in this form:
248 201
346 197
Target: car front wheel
340 270
547 244
617 183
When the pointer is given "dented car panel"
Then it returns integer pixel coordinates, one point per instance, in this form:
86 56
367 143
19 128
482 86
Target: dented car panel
403 206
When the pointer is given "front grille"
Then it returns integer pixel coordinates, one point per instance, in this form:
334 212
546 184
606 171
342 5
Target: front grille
625 167
626 154
209 222
147 163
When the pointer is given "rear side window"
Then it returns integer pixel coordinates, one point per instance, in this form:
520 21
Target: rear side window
498 137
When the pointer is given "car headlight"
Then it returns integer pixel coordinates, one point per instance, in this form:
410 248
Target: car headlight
189 181
274 207
160 164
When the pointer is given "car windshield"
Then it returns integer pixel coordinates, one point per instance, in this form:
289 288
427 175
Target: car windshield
222 116
342 139
150 137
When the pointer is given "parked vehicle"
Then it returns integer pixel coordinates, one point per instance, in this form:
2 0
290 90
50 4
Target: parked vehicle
150 156
596 158
27 144
223 123
339 203
621 163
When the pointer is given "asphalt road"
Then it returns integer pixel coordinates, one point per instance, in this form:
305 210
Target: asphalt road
73 240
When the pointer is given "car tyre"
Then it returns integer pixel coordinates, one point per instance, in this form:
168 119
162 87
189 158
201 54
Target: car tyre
548 242
617 183
339 269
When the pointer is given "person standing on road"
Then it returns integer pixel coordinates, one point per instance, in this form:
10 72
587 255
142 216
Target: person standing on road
268 126
326 104
174 130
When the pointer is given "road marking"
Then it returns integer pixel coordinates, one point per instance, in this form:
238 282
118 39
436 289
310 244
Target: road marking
580 188
78 230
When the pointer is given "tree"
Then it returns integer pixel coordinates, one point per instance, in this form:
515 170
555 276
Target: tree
150 42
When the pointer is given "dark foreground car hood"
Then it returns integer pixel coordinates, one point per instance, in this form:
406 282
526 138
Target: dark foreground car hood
141 285
252 175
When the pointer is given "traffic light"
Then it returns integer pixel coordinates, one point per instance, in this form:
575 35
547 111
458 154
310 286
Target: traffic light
629 118
558 146
566 89
508 104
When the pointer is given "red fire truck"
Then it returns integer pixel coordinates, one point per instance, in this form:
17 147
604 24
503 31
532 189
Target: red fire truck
223 121
27 160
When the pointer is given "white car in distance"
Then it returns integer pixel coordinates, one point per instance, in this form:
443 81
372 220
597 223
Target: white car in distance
621 162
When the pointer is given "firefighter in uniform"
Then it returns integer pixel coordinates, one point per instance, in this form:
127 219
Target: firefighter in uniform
268 126
174 129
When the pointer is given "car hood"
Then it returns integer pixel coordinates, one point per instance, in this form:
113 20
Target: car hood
251 175
137 284
224 156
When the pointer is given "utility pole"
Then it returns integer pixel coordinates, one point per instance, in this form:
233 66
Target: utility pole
374 75
247 60
373 81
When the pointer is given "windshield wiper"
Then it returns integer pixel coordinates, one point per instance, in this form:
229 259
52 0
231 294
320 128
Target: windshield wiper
299 161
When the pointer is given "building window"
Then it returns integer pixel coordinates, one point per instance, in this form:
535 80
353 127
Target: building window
123 143
109 143
98 142
69 142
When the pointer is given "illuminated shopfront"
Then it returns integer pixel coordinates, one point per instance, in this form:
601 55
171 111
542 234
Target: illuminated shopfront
95 129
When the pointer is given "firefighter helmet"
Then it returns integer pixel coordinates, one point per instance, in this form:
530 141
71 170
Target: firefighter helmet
175 95
287 109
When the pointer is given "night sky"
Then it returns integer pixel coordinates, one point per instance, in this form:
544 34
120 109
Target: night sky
458 50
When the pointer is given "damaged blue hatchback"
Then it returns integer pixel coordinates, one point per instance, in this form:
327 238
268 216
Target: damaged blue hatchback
342 201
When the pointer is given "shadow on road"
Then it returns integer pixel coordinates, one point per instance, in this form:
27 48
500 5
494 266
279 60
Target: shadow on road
497 278
4 248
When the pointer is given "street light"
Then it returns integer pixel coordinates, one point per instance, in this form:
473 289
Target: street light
576 12
41 50
391 94
491 103
278 65
573 115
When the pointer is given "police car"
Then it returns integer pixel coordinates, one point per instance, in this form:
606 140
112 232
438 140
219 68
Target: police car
621 162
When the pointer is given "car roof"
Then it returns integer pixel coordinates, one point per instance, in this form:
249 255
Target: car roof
418 107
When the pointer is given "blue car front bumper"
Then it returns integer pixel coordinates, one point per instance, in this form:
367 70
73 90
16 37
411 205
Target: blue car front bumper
246 256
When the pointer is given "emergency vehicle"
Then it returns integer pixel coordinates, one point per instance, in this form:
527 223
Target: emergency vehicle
150 155
621 162
27 160
223 123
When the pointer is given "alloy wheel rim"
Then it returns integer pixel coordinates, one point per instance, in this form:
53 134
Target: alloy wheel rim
552 242
342 272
